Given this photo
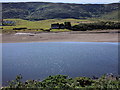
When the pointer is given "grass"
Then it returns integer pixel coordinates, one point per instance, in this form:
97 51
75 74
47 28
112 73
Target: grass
114 15
38 25
60 30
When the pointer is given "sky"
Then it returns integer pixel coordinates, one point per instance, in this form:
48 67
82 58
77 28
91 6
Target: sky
66 1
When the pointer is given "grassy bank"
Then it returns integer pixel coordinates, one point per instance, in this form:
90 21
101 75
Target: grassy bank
39 25
45 25
64 82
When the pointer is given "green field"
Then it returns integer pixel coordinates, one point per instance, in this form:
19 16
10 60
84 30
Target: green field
44 25
39 25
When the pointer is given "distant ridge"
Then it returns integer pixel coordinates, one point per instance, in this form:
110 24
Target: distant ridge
86 2
46 10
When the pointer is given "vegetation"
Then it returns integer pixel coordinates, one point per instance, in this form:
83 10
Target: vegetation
44 10
69 25
114 15
97 25
37 26
105 82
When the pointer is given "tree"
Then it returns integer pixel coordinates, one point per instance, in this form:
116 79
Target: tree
67 25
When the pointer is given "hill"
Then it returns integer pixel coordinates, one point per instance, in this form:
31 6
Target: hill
114 15
44 10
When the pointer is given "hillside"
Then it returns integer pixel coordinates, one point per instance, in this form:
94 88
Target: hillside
41 10
114 15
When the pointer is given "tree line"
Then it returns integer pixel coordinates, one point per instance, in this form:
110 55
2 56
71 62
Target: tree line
97 25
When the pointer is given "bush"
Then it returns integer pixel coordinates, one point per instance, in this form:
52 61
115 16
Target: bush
64 83
98 25
83 81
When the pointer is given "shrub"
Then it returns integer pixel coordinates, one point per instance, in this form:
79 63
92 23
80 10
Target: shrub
98 25
65 83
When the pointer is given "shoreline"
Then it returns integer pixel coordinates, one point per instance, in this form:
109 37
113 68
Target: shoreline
73 36
63 42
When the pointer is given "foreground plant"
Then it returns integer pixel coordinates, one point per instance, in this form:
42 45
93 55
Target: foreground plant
64 82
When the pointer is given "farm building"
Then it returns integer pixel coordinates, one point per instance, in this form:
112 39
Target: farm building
57 26
66 25
8 23
61 26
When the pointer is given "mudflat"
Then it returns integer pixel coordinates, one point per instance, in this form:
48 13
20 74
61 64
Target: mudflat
72 36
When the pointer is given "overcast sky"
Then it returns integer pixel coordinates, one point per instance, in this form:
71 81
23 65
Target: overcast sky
65 1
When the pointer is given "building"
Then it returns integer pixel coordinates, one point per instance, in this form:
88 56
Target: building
61 26
57 26
8 23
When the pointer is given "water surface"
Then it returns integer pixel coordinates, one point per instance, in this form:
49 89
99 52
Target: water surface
39 60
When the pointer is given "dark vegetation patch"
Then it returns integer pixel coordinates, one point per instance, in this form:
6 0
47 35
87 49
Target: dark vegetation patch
64 82
98 25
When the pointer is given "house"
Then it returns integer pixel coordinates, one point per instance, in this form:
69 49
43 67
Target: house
8 23
66 25
61 26
55 26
